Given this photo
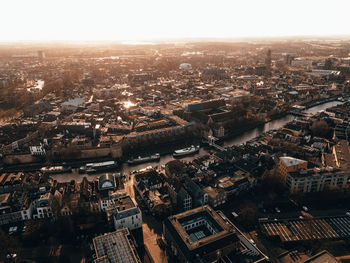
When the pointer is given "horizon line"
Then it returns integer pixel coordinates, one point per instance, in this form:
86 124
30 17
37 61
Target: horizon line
181 39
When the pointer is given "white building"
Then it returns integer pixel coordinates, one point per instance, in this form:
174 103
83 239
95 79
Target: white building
37 150
42 207
315 180
126 214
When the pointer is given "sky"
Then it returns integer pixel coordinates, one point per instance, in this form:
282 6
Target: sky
97 20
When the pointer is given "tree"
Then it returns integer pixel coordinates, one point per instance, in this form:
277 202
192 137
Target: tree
248 213
272 184
320 129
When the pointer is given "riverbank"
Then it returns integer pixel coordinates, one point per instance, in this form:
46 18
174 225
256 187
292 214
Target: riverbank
167 149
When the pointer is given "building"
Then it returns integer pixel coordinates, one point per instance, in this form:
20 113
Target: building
37 150
43 207
185 66
41 54
125 214
321 257
205 105
14 208
200 233
106 186
316 179
115 247
290 164
268 61
216 196
72 104
235 185
10 182
148 185
184 200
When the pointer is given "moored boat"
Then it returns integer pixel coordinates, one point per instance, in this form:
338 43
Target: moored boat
154 157
186 151
91 168
56 169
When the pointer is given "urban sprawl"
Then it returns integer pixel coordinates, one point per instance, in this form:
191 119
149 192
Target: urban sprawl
186 152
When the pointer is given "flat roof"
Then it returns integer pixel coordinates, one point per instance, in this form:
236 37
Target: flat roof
115 247
291 161
223 229
323 256
125 202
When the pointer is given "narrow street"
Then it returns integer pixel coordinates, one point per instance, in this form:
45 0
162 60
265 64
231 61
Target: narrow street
151 228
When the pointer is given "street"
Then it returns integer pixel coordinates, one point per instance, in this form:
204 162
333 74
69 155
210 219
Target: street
151 228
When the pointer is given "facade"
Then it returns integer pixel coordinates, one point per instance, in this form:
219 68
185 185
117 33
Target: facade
106 186
14 208
290 164
126 214
199 197
216 197
184 200
234 185
37 150
10 182
315 180
42 207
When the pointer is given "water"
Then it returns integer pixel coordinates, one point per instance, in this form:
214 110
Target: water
243 138
276 124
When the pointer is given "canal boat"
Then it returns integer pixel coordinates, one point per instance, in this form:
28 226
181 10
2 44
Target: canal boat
91 168
56 169
154 157
186 151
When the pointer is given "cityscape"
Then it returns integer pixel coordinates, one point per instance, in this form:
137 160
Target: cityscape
169 147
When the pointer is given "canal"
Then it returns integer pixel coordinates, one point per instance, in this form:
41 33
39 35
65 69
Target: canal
241 139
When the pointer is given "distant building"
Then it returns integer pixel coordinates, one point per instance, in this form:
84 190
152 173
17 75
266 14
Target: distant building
115 247
72 104
41 54
185 66
204 105
37 108
268 62
37 150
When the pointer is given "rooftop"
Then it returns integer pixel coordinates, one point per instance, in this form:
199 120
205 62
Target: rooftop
200 226
323 256
125 207
115 247
291 161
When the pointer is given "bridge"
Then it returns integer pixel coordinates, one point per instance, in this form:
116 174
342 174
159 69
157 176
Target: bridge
211 141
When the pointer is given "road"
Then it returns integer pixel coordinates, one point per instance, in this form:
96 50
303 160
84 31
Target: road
343 257
151 228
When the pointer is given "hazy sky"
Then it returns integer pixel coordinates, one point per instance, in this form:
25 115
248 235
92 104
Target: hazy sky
158 19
